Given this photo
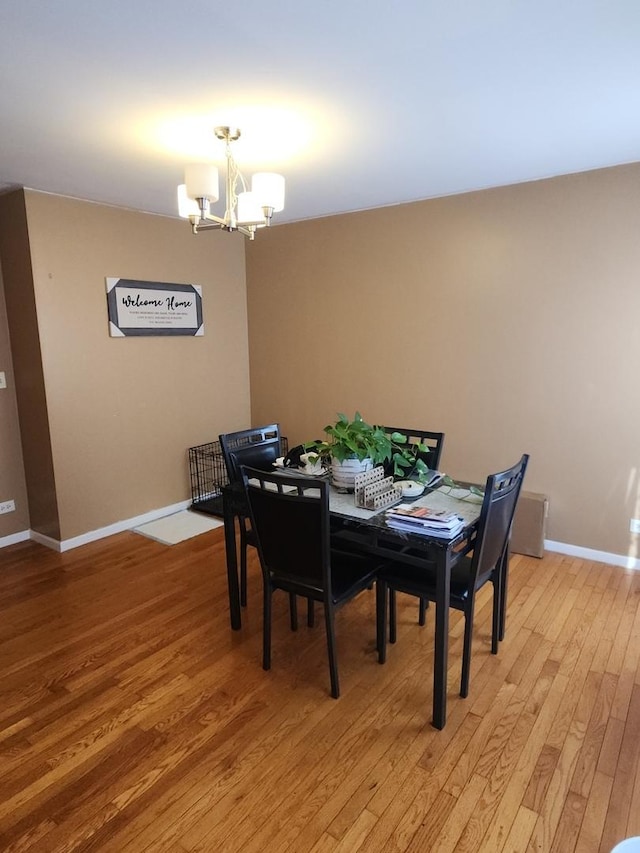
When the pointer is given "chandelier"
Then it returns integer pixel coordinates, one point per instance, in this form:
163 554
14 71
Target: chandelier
246 210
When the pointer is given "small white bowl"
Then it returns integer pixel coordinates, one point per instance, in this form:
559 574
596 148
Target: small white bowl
410 489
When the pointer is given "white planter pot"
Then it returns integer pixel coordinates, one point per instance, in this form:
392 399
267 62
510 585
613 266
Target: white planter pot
343 474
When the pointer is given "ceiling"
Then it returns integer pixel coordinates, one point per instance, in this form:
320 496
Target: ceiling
359 103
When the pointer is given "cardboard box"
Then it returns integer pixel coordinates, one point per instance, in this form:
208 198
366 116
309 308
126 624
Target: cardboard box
530 524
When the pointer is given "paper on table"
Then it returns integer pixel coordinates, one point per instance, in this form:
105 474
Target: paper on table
439 500
468 510
444 533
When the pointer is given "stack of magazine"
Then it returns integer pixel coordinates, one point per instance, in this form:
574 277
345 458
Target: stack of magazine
422 519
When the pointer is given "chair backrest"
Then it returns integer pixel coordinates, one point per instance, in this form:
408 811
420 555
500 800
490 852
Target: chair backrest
258 447
434 440
290 517
496 517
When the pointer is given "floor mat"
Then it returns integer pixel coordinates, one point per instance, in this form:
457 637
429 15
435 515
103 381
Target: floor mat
177 527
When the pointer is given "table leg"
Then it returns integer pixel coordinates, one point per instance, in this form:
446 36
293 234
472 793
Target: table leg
232 564
441 651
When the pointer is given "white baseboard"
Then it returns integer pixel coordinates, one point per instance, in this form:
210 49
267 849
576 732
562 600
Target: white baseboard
94 535
121 526
591 554
13 538
47 541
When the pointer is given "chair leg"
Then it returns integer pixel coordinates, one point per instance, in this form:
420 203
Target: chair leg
422 616
243 568
243 577
392 615
266 628
311 614
331 648
496 616
293 611
466 649
504 575
381 620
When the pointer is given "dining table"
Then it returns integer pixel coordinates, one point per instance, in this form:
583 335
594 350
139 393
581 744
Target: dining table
369 531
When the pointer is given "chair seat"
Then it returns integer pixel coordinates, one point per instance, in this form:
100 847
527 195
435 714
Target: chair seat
350 573
421 581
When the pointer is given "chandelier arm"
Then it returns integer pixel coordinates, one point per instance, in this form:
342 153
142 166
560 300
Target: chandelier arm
249 232
197 227
210 217
214 226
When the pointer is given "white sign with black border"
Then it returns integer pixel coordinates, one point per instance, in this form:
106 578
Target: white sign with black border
150 308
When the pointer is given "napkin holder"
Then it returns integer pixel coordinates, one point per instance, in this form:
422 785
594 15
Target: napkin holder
375 491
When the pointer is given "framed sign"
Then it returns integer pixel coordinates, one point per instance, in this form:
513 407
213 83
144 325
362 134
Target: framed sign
153 308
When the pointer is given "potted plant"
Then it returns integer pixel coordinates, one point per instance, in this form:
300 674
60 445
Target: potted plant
351 446
354 446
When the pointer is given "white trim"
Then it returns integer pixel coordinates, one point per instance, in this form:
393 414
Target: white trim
47 541
120 526
13 538
591 554
93 535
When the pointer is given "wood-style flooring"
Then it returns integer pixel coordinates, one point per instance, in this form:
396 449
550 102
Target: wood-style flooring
133 719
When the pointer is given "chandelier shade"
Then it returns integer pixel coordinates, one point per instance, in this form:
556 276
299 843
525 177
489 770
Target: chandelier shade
249 210
201 181
186 206
269 189
245 210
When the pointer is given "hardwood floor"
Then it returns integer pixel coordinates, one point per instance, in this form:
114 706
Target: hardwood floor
133 719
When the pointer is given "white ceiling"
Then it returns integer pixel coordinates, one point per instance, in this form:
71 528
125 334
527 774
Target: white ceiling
359 103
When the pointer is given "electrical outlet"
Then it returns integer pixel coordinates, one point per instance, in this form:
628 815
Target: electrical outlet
7 506
3 379
634 525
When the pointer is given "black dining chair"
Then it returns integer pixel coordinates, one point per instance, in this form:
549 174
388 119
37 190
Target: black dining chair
258 447
489 561
431 458
290 518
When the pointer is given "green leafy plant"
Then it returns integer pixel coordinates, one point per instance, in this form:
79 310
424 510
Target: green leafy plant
357 439
352 439
406 457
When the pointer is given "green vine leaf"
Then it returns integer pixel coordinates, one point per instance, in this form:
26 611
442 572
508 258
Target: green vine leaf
471 491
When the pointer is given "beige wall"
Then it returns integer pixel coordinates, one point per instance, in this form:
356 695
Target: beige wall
507 318
123 411
12 481
42 511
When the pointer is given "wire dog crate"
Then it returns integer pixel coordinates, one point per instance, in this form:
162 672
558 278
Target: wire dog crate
208 474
